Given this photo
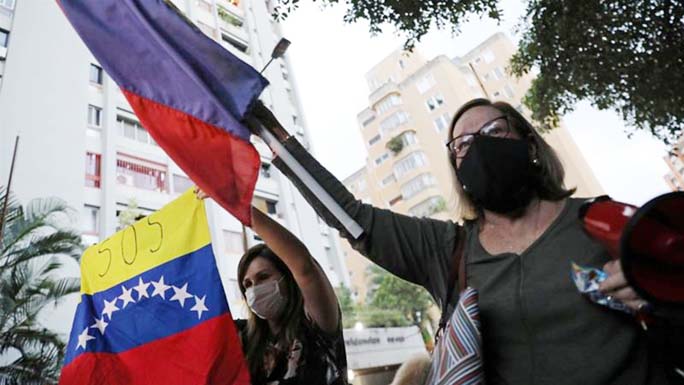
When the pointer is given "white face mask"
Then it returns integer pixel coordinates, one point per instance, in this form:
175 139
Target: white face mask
266 300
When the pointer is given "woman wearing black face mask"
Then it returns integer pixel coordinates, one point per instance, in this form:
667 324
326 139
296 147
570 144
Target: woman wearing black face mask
520 234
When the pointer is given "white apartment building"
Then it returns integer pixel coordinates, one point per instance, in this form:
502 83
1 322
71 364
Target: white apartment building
80 140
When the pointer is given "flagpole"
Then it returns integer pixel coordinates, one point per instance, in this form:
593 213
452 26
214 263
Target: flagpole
266 126
7 190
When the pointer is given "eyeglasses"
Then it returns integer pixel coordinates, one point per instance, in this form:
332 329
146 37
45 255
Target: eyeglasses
499 127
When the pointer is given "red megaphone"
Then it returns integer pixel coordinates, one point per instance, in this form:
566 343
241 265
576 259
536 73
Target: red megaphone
648 241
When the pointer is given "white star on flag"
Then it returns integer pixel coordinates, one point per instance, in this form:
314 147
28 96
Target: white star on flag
109 308
100 325
126 296
160 288
181 294
83 339
142 289
199 307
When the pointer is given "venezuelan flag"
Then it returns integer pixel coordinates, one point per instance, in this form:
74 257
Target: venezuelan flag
153 309
189 92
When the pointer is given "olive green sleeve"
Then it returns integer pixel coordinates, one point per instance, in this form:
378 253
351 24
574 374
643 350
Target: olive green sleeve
418 250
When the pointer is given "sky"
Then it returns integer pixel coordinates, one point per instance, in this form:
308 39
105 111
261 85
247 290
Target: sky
330 58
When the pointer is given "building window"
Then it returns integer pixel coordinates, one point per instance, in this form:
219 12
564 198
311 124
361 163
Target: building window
368 121
265 170
395 200
95 74
133 130
94 116
508 91
233 242
141 173
416 185
387 103
428 207
425 83
90 220
266 205
499 73
181 183
4 37
434 102
93 170
406 139
441 122
374 140
382 158
388 180
392 122
411 161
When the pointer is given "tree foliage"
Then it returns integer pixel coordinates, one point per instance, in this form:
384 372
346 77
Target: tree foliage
618 54
394 294
624 55
35 241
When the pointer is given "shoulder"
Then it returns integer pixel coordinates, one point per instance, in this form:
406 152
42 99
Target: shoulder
240 325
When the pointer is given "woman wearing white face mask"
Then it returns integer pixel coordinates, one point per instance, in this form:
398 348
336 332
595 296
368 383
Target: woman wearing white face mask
293 333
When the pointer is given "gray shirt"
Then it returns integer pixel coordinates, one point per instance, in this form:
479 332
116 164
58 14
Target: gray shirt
537 328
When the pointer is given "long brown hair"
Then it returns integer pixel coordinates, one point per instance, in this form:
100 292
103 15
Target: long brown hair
258 334
550 173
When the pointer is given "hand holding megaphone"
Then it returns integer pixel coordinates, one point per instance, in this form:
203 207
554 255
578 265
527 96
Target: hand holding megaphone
648 243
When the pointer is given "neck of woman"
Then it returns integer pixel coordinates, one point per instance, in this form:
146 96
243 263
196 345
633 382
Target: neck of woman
536 216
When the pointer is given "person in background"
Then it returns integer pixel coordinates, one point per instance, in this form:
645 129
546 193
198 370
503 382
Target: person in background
293 333
520 232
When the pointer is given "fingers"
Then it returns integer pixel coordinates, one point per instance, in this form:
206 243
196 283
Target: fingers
614 282
612 267
200 194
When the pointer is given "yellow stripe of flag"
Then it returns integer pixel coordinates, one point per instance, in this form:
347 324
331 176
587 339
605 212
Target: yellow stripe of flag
175 230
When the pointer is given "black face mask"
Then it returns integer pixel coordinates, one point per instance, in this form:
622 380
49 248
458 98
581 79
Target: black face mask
497 174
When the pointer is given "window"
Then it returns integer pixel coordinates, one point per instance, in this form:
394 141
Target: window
387 103
428 207
202 4
392 122
4 37
498 72
95 74
181 183
233 242
401 64
374 140
388 180
425 83
416 185
434 102
94 116
141 173
90 220
368 121
265 170
361 185
93 170
379 160
508 91
395 200
265 205
408 163
133 130
441 122
9 4
271 207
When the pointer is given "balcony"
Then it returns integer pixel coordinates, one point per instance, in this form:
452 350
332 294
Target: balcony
231 7
384 90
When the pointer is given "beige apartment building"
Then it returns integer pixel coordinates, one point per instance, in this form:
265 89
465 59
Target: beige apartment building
405 127
675 161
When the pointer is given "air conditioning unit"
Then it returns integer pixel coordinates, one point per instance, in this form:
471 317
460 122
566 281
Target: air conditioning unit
125 179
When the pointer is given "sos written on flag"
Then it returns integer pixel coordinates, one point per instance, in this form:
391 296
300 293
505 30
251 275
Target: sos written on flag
189 92
153 309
